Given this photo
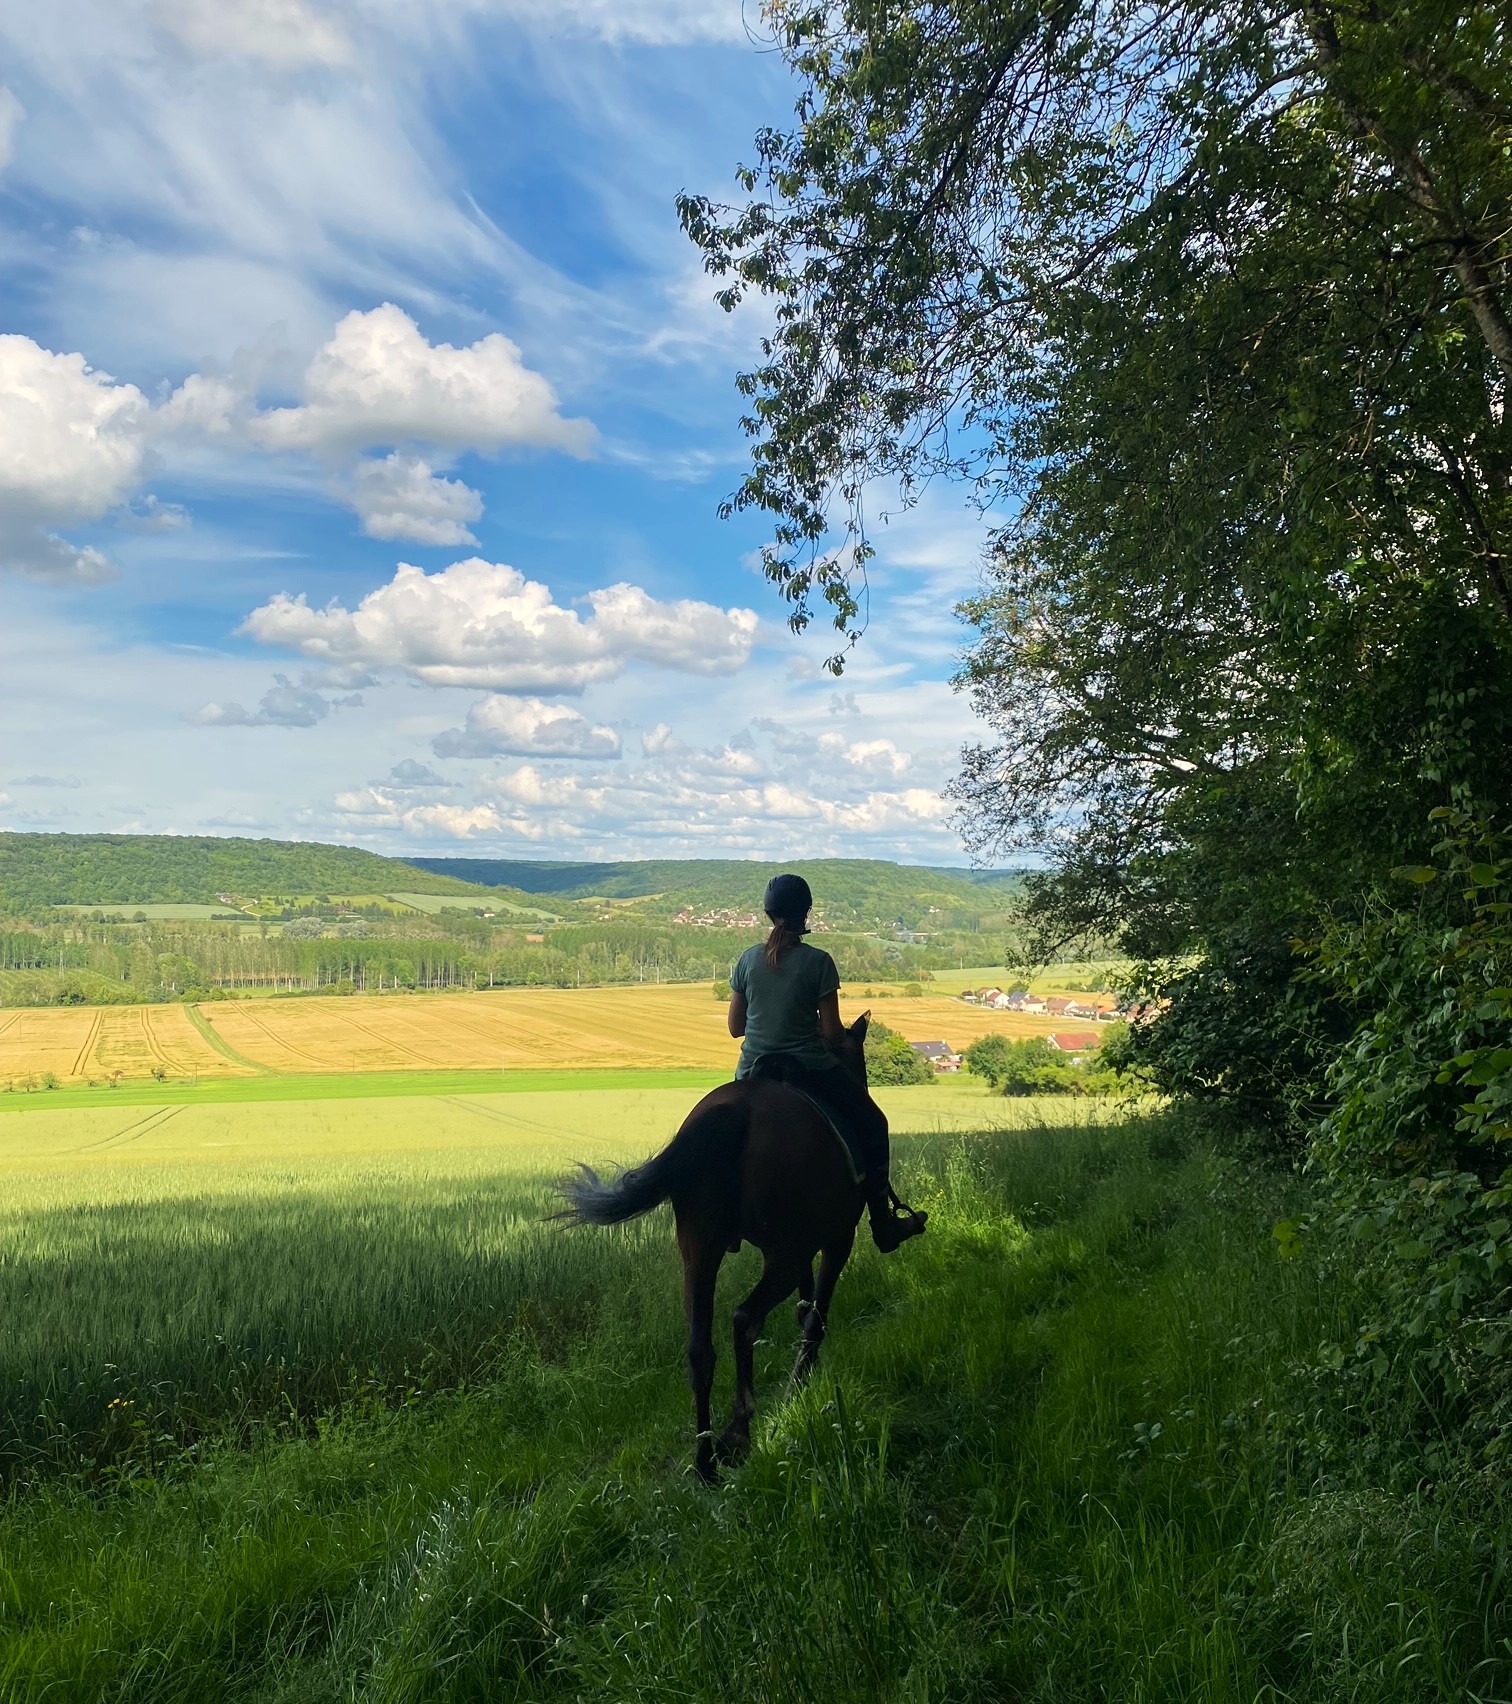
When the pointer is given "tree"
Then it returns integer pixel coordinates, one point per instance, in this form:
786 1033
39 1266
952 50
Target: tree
1213 302
988 1057
890 1061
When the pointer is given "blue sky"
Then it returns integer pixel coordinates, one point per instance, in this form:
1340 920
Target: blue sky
363 419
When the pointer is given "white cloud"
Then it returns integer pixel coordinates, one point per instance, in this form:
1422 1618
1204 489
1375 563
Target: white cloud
378 382
878 755
71 447
415 777
286 704
11 114
659 23
399 497
284 33
525 727
483 624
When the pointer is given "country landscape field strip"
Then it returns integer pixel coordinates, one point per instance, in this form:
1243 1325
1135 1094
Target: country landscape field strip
663 1027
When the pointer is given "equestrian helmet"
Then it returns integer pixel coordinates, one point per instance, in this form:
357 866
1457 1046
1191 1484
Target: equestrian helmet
788 898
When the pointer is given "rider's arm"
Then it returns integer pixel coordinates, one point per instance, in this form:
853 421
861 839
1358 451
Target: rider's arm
736 1017
830 1027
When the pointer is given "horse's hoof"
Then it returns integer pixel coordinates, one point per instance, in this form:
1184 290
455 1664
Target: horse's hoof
732 1446
706 1468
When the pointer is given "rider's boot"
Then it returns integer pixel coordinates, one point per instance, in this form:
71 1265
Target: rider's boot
892 1222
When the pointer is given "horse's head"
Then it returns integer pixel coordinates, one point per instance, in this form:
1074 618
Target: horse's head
852 1050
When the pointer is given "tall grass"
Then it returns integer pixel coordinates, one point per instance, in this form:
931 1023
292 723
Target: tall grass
1060 1450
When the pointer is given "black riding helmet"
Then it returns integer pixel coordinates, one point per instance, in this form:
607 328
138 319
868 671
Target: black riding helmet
787 899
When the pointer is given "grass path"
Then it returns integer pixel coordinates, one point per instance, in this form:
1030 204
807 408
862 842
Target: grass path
1058 1454
223 1047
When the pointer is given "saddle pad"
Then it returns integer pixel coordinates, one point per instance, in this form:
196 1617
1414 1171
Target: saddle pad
843 1136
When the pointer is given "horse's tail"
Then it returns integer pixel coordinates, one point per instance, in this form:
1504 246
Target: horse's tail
706 1141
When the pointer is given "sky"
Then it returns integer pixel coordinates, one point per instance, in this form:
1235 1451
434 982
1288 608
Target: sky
364 416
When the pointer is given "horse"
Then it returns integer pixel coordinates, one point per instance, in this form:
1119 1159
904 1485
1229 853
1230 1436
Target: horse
755 1161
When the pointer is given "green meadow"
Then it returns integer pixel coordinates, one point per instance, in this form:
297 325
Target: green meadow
306 1400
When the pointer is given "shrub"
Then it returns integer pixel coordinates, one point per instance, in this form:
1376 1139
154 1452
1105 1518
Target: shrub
1414 1146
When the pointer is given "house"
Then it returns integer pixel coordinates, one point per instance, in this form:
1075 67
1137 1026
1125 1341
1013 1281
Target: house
1031 1003
1075 1041
988 996
1080 1009
940 1054
1058 1005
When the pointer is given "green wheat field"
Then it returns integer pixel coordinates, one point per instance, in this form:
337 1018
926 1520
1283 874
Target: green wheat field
305 1400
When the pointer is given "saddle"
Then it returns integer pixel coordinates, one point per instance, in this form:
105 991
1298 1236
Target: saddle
777 1068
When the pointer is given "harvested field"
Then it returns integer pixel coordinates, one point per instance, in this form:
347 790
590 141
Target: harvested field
522 1029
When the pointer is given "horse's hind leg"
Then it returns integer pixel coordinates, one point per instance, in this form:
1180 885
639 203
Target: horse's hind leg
700 1270
831 1264
781 1275
805 1291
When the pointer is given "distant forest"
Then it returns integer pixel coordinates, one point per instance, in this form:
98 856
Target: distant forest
39 870
322 918
847 891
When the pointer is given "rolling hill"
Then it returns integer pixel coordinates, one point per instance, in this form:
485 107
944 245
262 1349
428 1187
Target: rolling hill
41 870
851 892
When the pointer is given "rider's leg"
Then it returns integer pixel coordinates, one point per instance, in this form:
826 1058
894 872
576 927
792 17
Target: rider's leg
838 1089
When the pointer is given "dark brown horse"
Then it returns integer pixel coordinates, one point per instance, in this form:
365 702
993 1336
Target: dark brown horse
755 1161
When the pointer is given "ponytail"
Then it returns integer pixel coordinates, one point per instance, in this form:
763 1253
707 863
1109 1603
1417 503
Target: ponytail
782 939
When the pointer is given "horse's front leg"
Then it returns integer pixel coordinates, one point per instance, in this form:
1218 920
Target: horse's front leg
831 1264
701 1259
781 1275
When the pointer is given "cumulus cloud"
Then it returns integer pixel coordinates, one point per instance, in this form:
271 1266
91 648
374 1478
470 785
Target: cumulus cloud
525 727
878 755
378 382
286 704
399 497
415 777
483 624
71 447
384 807
282 33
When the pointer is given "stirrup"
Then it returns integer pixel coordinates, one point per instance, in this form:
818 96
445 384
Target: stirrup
892 1232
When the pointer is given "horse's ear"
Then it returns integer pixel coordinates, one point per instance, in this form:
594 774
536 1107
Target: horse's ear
858 1029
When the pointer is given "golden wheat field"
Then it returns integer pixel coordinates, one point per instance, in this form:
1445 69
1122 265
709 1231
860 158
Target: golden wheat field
525 1028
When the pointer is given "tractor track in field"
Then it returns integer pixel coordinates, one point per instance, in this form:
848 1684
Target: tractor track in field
388 1041
289 1047
89 1044
150 1041
509 1119
154 1120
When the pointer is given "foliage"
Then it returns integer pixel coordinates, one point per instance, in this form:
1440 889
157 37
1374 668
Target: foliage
890 1061
1213 301
1416 1145
987 1057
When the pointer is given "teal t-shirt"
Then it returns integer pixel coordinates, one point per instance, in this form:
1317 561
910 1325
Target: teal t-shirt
782 1005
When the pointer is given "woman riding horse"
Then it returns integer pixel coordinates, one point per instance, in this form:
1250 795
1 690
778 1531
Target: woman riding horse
756 1161
785 1005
